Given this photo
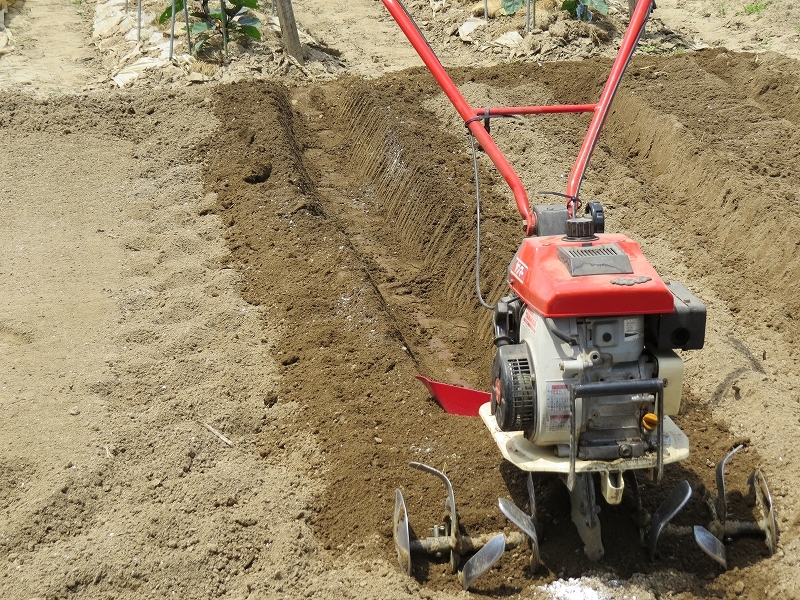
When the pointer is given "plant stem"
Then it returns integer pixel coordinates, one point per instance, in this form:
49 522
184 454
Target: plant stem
188 29
172 31
224 27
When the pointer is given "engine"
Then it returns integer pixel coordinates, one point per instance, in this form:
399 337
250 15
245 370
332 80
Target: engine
590 330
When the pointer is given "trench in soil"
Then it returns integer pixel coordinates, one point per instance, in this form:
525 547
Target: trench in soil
350 212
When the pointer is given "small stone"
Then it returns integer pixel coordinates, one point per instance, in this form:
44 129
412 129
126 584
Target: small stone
378 440
738 588
74 411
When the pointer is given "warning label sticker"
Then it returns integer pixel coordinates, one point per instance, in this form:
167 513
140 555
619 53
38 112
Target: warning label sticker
633 329
557 406
529 321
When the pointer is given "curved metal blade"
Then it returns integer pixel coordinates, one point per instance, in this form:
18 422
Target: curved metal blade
759 487
402 541
711 545
451 516
524 522
670 507
722 497
482 560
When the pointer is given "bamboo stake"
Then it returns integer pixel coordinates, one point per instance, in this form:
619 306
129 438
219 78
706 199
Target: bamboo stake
172 31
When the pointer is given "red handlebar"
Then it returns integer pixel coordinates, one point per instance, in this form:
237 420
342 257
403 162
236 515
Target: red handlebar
470 114
427 55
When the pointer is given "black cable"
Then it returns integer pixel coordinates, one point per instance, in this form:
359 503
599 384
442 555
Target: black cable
478 228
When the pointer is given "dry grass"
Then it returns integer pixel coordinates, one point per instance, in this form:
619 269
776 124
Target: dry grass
206 68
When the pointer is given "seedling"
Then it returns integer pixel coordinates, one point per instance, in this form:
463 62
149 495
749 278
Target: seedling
230 19
583 9
756 8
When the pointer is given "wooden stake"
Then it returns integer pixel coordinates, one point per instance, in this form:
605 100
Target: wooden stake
291 39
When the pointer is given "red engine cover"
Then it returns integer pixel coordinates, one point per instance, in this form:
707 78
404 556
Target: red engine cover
544 282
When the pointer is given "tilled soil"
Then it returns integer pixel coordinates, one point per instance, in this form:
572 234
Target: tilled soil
351 219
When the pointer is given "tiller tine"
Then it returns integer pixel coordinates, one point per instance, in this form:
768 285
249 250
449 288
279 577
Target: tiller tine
402 540
722 496
711 540
525 523
482 561
711 545
447 538
670 507
725 530
763 497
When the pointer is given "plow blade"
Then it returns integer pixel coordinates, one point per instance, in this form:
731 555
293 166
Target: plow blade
454 399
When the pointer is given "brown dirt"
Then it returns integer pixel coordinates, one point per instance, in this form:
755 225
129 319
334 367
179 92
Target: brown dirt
276 262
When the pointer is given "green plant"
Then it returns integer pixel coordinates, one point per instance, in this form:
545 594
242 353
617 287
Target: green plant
511 7
582 9
231 19
756 8
721 8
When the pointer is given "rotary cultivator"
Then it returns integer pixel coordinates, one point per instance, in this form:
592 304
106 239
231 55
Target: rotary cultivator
585 377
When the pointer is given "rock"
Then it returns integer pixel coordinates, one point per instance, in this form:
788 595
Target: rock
468 27
738 587
495 9
510 39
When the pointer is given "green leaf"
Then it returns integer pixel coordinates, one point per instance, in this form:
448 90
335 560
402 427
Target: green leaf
248 3
251 31
202 26
248 20
571 6
597 5
510 7
167 14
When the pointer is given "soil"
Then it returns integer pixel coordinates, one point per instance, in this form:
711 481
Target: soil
219 280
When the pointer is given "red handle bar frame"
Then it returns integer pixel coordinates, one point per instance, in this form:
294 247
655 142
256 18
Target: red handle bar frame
470 114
